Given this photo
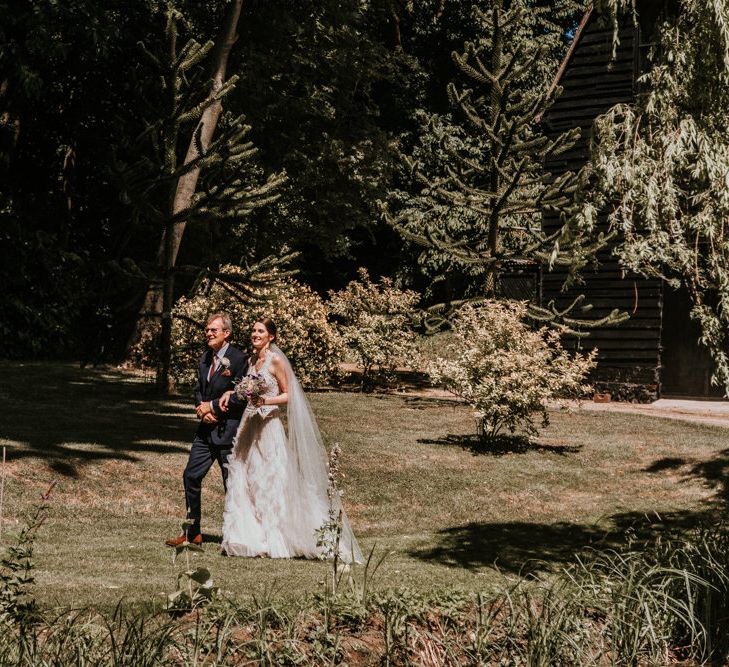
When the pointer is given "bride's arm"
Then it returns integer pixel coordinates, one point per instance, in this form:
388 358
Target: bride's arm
224 399
279 372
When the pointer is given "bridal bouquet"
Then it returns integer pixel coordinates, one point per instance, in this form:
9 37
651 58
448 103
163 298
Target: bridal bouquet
251 386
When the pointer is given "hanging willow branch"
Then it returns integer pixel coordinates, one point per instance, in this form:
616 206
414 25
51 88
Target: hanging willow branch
661 165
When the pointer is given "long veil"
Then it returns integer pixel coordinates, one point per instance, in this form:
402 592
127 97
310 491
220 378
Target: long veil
308 474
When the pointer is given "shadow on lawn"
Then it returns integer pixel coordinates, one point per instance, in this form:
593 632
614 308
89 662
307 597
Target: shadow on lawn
713 473
70 416
426 402
522 547
503 444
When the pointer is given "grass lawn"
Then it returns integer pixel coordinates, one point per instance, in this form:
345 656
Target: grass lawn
451 517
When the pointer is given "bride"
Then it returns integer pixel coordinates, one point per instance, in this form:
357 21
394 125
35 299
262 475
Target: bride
277 503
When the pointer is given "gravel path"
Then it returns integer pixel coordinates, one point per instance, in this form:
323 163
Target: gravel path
704 412
699 412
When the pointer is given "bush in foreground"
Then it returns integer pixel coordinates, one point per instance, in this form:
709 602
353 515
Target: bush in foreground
658 605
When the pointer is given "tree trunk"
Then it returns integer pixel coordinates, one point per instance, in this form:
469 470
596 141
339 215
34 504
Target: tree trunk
187 184
164 381
159 297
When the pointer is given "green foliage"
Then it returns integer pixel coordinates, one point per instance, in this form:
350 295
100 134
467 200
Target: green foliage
17 605
330 532
661 164
216 180
349 593
175 91
312 82
16 575
655 602
479 173
52 64
194 584
40 283
507 371
326 89
375 322
304 333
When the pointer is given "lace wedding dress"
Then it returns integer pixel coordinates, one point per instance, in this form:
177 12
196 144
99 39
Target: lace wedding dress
277 486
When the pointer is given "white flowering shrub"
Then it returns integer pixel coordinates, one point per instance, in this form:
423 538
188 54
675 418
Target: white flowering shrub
304 333
507 371
376 326
144 351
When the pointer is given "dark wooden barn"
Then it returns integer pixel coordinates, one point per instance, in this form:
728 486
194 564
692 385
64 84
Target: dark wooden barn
656 352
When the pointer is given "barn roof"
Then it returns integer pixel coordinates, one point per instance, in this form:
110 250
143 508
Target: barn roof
570 52
648 12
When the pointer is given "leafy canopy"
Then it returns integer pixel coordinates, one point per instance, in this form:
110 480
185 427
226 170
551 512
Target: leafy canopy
480 185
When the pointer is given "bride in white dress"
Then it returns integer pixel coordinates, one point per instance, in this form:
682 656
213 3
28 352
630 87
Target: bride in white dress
277 502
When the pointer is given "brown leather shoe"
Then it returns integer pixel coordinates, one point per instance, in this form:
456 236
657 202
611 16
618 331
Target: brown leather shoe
178 541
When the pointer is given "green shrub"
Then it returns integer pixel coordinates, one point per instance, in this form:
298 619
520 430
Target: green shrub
506 370
376 326
304 333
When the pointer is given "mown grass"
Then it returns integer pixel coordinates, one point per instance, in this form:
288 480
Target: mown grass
416 485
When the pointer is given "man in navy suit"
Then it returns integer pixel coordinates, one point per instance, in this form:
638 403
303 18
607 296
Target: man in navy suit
220 366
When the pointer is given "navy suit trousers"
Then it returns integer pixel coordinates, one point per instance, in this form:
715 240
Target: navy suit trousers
202 455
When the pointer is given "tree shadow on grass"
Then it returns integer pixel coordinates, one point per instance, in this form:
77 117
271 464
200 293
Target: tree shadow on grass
712 473
523 547
427 402
69 416
500 445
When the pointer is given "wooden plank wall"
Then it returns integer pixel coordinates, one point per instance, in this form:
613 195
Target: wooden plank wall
592 83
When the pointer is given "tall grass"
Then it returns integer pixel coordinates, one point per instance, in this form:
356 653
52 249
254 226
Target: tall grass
656 604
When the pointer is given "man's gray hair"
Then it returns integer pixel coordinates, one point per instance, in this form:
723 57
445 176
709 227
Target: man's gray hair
227 324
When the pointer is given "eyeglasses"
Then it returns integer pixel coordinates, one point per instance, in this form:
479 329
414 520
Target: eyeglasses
212 330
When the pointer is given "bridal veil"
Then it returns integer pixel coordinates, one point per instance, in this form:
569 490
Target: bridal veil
308 475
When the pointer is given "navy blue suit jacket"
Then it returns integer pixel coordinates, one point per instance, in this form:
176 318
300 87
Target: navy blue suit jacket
224 431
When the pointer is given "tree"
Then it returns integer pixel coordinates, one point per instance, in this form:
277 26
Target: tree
480 170
187 183
158 186
317 86
661 166
59 79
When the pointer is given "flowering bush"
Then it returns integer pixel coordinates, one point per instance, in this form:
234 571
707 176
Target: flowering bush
144 352
304 334
506 370
375 324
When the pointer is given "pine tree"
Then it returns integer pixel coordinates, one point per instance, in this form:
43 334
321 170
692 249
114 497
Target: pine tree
231 184
480 170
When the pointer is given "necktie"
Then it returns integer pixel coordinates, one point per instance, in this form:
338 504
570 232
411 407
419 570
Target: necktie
212 367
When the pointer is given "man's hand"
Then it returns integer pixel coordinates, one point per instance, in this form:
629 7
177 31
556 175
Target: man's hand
204 409
209 418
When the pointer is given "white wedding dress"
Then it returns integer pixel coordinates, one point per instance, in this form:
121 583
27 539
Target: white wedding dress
277 486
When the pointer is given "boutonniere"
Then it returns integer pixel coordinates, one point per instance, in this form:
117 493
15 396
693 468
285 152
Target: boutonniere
226 366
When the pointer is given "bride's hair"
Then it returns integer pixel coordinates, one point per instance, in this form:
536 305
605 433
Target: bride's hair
270 326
